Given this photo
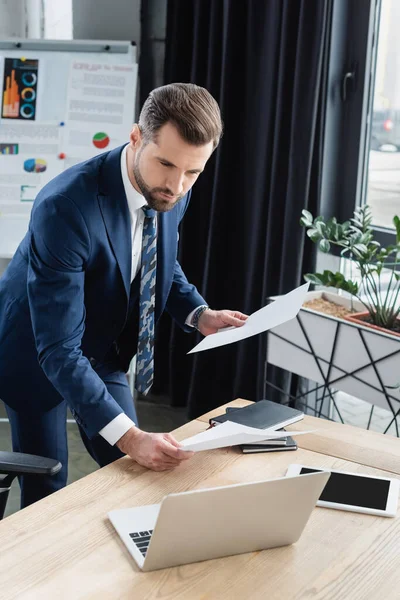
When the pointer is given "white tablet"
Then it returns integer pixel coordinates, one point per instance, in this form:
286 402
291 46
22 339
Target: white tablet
356 492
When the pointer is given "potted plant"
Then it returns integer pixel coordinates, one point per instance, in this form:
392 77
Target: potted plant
344 350
356 238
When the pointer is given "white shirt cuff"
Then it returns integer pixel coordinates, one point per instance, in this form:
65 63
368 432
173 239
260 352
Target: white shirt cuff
116 428
189 318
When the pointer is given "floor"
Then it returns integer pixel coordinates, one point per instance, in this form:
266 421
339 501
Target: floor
356 412
155 414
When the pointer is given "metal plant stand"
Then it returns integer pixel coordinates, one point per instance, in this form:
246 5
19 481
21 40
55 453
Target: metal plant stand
328 389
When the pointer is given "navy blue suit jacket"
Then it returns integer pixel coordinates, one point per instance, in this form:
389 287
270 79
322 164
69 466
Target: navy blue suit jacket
64 297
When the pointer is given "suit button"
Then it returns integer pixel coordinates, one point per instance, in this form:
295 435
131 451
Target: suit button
93 361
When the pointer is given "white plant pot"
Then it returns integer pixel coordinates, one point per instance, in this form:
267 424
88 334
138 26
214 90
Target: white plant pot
340 352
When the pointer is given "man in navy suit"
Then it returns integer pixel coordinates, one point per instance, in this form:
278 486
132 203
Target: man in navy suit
69 300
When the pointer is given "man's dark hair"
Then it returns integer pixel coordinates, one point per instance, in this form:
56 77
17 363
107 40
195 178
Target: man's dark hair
190 108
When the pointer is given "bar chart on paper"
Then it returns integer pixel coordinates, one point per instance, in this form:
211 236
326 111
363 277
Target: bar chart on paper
11 97
8 148
20 79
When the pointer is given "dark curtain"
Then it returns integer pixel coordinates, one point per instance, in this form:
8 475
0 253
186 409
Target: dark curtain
240 240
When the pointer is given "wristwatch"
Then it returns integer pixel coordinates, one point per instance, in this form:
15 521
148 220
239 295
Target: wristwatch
197 314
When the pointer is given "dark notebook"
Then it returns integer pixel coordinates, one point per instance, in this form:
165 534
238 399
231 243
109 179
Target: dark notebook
275 442
262 415
251 448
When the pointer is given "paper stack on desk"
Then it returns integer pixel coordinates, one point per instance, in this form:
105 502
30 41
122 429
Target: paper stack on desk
231 434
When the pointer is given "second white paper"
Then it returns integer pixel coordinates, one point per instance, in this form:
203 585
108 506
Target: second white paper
232 434
281 310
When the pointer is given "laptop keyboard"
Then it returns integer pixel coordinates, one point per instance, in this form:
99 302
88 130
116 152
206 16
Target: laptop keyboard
141 539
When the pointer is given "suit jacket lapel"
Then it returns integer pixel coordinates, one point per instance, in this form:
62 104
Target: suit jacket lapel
115 212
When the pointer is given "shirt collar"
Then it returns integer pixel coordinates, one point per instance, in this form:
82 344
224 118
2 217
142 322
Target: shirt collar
135 200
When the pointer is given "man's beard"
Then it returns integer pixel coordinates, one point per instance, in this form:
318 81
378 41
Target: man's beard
159 204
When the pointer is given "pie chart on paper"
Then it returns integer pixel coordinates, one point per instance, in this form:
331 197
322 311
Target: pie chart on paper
35 165
101 140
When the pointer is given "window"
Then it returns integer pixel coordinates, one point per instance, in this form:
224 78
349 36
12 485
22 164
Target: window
383 169
361 161
361 154
352 37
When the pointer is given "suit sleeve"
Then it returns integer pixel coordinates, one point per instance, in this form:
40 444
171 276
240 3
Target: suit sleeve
184 296
59 251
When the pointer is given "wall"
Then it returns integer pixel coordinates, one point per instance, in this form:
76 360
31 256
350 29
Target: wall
106 20
21 18
12 24
12 18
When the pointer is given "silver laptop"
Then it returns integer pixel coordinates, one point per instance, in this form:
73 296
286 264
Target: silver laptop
215 522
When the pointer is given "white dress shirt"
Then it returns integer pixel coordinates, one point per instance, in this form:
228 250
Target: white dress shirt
114 430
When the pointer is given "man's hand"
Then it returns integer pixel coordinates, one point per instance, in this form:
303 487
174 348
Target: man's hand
156 451
212 320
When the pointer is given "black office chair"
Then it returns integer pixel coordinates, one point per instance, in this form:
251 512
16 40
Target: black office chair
13 464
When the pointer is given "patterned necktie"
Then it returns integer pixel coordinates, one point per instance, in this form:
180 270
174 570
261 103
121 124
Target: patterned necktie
147 301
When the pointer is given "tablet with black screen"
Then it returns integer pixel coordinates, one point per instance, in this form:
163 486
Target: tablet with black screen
356 492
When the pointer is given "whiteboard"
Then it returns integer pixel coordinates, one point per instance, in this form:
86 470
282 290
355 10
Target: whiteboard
61 102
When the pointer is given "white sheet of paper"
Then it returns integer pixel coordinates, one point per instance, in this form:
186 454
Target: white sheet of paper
231 434
98 103
281 310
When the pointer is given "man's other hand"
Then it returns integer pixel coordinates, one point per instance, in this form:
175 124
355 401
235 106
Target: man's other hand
212 320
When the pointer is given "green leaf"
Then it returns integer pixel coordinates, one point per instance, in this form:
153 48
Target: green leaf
360 249
356 225
346 226
364 214
355 237
382 254
350 286
396 223
321 227
366 238
332 228
306 217
314 235
330 279
324 246
313 278
340 233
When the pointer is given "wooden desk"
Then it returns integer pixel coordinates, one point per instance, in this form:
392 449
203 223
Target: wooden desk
64 547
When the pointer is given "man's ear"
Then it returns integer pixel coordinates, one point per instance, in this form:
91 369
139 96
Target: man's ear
135 137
